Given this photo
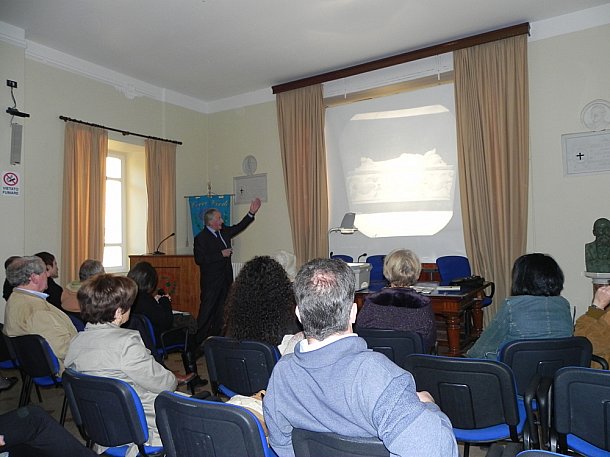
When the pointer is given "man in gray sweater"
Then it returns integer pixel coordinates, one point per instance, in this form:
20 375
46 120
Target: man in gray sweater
333 383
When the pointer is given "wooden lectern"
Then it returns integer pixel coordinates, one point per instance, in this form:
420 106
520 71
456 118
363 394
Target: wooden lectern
178 277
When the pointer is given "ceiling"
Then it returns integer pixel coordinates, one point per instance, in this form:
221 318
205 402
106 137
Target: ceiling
215 49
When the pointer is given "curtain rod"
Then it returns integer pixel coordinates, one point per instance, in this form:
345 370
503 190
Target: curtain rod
448 46
124 132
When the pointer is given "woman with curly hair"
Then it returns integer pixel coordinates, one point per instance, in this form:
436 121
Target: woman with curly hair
261 304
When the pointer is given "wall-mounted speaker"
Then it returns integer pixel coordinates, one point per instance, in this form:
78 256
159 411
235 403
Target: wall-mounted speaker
16 135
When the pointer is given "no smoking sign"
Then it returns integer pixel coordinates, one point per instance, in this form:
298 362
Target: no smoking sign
10 183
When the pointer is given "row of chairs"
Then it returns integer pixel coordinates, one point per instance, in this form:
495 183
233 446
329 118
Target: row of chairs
478 396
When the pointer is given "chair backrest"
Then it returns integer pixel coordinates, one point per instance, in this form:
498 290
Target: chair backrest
77 322
395 344
35 357
315 444
193 428
376 262
142 324
538 453
474 393
7 354
543 357
451 267
345 258
107 410
243 367
581 401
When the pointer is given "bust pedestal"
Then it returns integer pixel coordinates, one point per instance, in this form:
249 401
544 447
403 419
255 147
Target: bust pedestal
598 279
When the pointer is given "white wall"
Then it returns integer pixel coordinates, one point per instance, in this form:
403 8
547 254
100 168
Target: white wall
565 73
32 221
235 134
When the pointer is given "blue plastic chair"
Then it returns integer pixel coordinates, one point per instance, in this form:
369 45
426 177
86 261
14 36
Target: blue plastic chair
239 367
191 428
376 262
39 367
533 361
308 444
108 412
581 422
452 267
478 396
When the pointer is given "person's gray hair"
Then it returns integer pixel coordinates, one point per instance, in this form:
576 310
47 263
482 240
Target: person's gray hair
402 267
324 290
20 270
209 215
90 268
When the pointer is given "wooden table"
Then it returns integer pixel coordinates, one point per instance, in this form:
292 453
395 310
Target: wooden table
450 308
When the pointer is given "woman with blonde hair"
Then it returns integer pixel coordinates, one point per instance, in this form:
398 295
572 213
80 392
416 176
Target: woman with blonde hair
399 306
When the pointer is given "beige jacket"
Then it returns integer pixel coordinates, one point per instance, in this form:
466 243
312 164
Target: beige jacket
27 314
114 352
595 325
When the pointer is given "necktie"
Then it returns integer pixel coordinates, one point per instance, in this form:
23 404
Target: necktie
220 238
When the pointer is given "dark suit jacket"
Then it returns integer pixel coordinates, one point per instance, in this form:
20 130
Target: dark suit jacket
208 251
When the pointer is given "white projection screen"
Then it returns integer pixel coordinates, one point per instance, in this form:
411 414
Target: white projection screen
392 160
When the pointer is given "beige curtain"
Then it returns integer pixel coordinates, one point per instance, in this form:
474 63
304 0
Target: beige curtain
161 191
301 129
491 89
85 151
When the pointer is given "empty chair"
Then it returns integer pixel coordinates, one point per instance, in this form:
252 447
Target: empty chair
108 412
395 344
239 367
345 258
39 367
316 444
452 267
533 360
581 408
478 396
376 262
194 428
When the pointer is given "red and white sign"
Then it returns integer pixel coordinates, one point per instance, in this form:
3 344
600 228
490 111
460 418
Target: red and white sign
11 183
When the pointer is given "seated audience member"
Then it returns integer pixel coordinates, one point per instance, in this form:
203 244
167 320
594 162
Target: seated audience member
28 312
261 304
595 324
158 308
88 268
534 310
30 431
53 290
333 383
400 307
7 287
106 349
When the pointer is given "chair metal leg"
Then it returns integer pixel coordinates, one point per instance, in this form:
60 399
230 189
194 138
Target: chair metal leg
466 449
25 388
64 410
37 393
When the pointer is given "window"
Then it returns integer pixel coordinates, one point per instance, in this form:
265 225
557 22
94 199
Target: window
114 235
125 219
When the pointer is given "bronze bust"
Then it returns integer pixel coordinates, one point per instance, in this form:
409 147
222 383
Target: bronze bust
597 253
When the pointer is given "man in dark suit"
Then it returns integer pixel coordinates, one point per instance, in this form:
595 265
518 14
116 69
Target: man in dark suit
213 255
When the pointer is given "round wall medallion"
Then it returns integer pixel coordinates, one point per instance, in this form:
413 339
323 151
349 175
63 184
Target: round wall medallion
596 115
249 165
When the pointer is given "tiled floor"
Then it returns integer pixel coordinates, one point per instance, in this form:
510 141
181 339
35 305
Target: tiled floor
52 398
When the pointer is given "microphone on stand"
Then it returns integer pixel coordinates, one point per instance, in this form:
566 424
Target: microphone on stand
360 256
157 252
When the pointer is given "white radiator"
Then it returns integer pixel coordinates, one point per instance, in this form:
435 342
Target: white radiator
237 266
